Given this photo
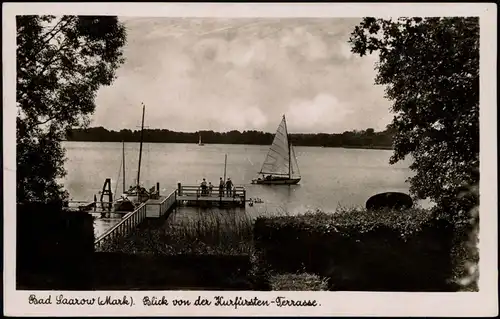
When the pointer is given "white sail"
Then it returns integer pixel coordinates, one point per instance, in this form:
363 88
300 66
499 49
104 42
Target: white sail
277 161
295 166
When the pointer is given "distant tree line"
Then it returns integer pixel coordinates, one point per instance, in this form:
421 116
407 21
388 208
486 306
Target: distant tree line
357 139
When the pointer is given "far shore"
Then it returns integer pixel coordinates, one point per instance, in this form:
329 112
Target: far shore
319 146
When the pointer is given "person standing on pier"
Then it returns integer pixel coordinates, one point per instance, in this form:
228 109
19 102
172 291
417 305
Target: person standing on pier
210 188
221 187
229 187
203 187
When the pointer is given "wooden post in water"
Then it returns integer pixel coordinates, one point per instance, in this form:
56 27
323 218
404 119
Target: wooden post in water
140 148
179 189
158 188
225 165
106 190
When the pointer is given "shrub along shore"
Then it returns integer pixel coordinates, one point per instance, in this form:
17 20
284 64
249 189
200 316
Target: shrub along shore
351 249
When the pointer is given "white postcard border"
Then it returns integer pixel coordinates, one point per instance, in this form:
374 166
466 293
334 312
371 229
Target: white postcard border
482 303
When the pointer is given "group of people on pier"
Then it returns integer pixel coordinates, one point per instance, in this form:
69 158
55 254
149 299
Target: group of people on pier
207 189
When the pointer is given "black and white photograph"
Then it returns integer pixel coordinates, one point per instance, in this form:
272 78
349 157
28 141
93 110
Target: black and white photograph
249 159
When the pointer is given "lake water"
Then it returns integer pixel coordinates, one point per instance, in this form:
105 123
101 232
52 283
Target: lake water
330 176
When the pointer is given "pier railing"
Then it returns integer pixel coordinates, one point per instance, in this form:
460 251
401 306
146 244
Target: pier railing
168 202
197 191
129 222
132 219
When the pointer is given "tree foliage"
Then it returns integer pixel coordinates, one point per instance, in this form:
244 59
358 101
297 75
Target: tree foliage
430 67
61 63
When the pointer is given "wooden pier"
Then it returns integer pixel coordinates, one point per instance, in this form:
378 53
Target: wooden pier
183 195
195 196
162 205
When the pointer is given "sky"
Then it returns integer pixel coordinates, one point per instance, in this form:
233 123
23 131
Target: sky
243 74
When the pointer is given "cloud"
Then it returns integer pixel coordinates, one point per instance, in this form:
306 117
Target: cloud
225 74
248 118
325 113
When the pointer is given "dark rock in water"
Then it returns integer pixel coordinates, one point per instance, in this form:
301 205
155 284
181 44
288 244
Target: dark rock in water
389 200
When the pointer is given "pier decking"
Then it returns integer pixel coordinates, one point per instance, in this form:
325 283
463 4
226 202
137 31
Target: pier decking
194 195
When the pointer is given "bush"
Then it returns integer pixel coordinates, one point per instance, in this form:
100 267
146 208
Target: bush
465 254
384 250
54 247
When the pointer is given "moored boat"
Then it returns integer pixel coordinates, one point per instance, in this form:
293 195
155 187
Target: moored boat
136 194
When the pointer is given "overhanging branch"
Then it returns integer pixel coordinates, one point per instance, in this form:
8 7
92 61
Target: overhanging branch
52 33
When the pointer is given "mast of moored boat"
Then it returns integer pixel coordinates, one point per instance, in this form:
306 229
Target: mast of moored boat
123 166
225 163
140 147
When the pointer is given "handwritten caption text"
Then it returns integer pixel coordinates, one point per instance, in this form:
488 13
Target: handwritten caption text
163 301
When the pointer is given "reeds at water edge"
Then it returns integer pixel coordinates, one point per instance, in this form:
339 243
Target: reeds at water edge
211 232
207 232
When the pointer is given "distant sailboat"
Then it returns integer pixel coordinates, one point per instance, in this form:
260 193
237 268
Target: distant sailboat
280 166
200 143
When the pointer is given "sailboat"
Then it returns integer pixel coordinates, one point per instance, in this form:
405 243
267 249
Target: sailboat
280 166
136 194
199 140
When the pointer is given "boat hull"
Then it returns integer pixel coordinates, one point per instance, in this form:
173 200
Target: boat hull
122 205
284 181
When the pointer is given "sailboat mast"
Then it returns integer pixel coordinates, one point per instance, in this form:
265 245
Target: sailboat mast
289 161
140 147
123 166
289 150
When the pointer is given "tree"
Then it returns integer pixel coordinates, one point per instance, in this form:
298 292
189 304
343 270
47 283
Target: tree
430 68
61 63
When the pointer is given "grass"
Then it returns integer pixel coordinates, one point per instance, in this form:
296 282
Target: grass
298 282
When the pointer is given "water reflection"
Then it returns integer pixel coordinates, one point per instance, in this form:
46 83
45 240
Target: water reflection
102 224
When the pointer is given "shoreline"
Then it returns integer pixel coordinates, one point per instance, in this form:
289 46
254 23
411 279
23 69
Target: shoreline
317 146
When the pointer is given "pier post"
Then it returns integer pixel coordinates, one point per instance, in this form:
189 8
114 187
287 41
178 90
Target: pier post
158 188
106 190
179 189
